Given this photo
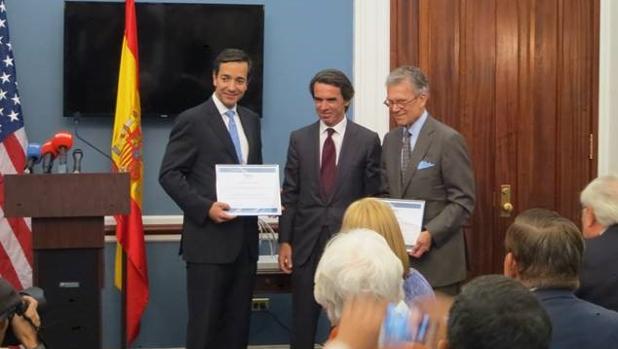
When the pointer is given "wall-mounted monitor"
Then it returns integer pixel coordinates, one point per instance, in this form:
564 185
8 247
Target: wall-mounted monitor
177 45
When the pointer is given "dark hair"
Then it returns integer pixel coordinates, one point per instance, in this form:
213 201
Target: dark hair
335 78
231 55
547 247
494 311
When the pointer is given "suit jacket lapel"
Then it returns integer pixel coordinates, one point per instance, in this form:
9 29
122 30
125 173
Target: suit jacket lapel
344 156
247 128
314 154
219 128
420 149
394 157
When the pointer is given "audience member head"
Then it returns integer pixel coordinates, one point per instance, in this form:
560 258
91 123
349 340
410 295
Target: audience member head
358 262
493 311
543 250
600 205
377 215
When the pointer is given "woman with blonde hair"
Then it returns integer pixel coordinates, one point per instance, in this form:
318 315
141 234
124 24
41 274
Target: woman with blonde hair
377 215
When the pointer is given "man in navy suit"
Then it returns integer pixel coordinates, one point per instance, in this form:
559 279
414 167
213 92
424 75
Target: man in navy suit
544 252
599 274
220 249
330 164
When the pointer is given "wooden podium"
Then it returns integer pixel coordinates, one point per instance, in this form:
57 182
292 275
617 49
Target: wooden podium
67 213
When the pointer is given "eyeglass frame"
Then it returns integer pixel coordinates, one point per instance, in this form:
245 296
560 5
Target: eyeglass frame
401 104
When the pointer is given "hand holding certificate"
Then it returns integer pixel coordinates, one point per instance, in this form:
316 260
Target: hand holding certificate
409 214
250 190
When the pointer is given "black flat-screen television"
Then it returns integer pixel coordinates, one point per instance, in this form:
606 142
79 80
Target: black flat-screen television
177 45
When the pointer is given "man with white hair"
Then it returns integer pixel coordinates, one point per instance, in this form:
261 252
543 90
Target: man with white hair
359 262
599 273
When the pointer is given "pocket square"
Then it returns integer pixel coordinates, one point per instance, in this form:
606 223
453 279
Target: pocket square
424 164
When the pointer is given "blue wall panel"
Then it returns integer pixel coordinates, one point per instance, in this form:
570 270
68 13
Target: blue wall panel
301 37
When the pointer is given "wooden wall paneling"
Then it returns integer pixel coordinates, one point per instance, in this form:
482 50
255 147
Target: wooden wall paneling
507 111
536 150
477 109
575 107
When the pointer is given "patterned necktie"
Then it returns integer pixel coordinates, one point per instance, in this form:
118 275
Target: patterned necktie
328 169
233 130
406 151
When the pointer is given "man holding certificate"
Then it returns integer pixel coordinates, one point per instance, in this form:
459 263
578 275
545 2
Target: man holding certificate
220 249
424 159
330 164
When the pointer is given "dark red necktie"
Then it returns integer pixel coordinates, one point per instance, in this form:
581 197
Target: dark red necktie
328 169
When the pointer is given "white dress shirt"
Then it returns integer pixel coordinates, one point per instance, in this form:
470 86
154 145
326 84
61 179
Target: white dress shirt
337 136
244 144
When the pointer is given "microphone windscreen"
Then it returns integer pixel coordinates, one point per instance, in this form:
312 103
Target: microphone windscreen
33 151
62 139
48 148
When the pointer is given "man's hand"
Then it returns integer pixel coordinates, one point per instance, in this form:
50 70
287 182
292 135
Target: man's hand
285 257
218 212
423 245
23 330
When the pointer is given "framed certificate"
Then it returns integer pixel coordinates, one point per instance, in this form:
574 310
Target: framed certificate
250 190
409 214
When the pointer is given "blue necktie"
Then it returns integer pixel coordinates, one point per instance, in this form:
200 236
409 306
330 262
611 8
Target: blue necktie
233 130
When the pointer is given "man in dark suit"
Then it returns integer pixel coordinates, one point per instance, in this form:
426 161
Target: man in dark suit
599 274
544 252
423 159
330 163
220 249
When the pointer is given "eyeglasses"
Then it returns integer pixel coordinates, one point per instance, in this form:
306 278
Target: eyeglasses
401 104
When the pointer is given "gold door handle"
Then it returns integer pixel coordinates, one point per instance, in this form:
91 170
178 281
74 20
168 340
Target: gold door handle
506 207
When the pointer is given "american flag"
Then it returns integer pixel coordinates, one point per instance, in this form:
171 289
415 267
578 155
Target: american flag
15 233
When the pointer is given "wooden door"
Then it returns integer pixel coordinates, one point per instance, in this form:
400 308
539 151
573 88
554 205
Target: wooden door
519 79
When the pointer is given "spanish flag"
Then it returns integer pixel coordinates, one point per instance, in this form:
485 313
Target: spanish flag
127 157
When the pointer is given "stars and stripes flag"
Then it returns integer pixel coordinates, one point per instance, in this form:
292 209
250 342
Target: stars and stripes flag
127 157
15 233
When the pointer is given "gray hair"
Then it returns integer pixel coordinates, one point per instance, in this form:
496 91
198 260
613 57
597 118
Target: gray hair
601 195
357 262
413 75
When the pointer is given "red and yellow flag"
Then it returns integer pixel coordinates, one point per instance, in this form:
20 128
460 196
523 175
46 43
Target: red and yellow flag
127 157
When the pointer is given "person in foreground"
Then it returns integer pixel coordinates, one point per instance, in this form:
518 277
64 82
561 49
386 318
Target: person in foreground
544 252
492 311
377 215
220 249
329 164
18 326
358 262
599 275
424 159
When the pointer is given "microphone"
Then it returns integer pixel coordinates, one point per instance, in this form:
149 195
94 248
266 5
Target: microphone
62 142
78 155
76 119
49 154
33 155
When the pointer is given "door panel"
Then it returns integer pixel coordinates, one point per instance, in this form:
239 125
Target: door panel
518 78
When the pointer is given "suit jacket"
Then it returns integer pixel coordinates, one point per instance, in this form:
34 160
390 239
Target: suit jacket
440 173
198 141
599 273
306 212
576 323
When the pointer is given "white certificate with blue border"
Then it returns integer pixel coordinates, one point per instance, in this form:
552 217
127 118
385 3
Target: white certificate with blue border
250 190
409 214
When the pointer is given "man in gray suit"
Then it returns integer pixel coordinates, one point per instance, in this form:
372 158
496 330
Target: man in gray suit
330 164
423 159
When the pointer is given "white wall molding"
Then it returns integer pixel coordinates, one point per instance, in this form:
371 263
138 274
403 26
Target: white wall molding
371 63
608 88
